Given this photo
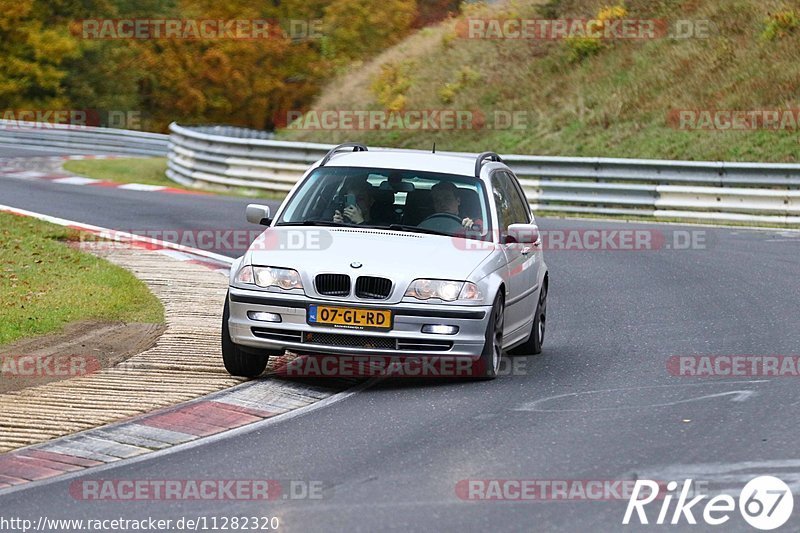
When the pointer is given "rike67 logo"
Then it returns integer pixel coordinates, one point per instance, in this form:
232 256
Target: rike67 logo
765 503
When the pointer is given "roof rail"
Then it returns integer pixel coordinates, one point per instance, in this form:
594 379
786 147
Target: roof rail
357 147
491 156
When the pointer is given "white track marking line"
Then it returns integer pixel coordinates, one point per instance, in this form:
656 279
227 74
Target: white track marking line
114 235
141 187
24 174
739 396
75 180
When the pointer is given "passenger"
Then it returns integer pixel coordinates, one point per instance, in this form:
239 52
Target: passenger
359 212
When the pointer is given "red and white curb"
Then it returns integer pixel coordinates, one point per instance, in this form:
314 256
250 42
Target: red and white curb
245 407
14 171
179 252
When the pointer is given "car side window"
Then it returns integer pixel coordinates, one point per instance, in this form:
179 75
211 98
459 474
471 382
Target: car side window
500 201
518 201
511 208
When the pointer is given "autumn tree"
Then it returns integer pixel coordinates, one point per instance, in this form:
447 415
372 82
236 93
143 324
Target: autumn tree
47 63
32 55
357 29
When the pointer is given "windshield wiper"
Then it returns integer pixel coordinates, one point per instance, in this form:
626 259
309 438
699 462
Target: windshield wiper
414 229
312 223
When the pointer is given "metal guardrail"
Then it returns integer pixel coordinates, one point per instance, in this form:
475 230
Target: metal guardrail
80 139
197 156
745 192
232 157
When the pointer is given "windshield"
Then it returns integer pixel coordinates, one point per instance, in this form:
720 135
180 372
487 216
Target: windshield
402 200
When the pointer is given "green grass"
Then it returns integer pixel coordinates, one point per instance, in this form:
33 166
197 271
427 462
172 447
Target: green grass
149 171
45 284
615 103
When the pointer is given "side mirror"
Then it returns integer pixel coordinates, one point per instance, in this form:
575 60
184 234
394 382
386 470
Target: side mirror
258 214
523 234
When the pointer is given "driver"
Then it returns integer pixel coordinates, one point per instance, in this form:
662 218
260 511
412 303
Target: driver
445 202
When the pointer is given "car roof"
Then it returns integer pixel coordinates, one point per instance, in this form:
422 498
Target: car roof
462 165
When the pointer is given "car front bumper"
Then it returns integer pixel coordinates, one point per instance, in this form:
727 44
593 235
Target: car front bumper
404 339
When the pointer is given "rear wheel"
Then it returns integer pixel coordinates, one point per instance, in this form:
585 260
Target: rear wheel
533 346
237 361
489 363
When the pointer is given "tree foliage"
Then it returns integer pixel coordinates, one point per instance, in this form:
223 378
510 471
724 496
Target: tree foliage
31 56
355 29
47 63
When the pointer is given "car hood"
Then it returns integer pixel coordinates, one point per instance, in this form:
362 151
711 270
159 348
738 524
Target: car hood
379 252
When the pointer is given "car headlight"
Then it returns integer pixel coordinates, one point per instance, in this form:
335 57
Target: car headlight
470 292
448 291
284 278
245 275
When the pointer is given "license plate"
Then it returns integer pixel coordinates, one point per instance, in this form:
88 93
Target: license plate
349 317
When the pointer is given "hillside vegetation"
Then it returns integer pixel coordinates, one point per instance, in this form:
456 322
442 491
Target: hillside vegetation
583 96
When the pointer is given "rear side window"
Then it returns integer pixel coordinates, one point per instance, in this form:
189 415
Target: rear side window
511 207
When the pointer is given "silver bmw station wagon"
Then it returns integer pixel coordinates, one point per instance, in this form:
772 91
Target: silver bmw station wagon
391 253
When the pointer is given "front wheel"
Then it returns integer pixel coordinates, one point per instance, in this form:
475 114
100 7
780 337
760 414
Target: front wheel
489 363
533 346
237 362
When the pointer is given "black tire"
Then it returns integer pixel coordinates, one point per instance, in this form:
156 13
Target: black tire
492 355
533 346
237 361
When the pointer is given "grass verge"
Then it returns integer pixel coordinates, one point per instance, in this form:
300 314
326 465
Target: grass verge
147 171
45 284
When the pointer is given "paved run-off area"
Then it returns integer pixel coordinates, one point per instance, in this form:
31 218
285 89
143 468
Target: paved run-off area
185 364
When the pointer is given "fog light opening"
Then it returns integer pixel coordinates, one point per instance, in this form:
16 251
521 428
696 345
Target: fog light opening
439 329
261 316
